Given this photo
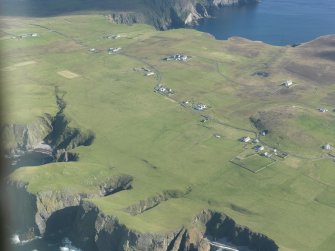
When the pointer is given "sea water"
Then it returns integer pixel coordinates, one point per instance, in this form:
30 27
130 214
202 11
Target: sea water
277 22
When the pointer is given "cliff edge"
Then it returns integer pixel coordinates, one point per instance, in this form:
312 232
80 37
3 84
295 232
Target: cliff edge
159 13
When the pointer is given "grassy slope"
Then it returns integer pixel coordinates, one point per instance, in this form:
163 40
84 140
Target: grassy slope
133 124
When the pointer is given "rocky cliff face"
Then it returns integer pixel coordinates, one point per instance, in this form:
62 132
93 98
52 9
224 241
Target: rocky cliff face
23 143
49 213
20 137
59 213
160 13
173 14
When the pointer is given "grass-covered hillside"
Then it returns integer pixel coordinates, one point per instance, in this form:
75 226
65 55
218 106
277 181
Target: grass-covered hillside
167 146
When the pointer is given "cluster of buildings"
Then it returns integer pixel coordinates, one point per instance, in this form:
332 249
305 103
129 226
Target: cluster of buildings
199 106
196 106
323 109
177 57
164 90
262 150
112 36
25 35
109 50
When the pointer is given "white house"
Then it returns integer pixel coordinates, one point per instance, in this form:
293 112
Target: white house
112 50
259 148
266 154
218 136
150 73
288 83
245 139
184 58
327 147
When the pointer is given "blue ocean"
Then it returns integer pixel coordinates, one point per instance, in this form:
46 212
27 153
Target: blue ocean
277 22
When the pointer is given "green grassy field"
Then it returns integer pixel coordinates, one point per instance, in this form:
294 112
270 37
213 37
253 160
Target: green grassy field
292 201
254 163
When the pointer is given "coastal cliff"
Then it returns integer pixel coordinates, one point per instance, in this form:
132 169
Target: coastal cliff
51 213
173 14
159 13
46 139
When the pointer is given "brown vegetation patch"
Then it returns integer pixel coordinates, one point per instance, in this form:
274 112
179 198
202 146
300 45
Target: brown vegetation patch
245 47
328 55
268 120
244 51
330 98
321 73
324 41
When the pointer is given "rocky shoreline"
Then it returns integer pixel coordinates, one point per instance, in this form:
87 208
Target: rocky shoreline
174 14
160 13
51 214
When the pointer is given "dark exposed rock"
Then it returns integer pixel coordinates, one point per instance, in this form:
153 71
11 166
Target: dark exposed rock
147 204
160 13
64 156
263 74
115 184
20 138
47 139
51 213
221 226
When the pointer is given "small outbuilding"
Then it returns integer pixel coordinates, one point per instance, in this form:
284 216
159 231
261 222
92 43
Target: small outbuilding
323 110
93 50
327 147
267 154
113 50
288 83
245 139
255 141
150 73
259 148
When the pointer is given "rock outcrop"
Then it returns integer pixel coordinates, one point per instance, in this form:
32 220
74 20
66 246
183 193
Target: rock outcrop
20 137
47 139
160 13
180 13
62 213
48 213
